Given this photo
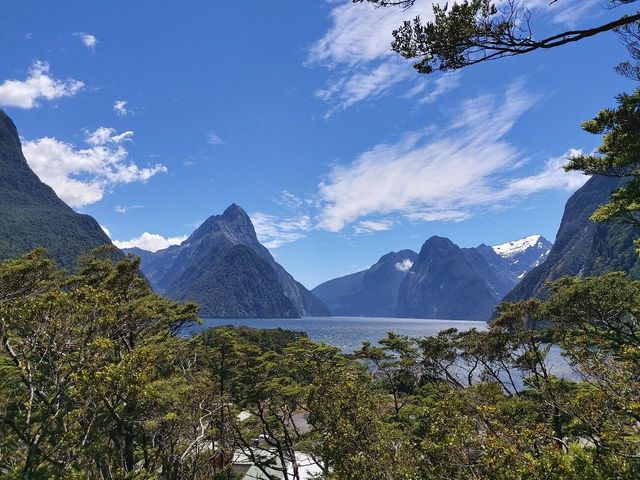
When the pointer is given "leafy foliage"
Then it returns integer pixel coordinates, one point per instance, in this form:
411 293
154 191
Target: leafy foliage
473 31
617 156
95 384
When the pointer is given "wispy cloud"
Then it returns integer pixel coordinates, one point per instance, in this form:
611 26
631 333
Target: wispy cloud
124 209
290 200
151 242
357 50
448 175
567 12
274 231
88 40
361 33
443 85
363 83
80 176
370 226
213 139
37 86
121 108
552 176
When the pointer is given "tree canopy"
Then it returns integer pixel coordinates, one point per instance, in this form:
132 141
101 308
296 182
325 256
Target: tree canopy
95 383
474 31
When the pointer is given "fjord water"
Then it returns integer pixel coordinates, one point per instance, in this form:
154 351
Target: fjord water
348 333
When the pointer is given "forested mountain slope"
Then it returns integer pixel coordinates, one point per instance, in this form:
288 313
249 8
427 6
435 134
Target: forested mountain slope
32 215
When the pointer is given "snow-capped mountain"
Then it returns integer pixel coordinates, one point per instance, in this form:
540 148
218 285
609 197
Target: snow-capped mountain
524 254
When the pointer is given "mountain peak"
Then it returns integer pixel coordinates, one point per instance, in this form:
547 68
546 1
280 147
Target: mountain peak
524 254
33 215
398 256
8 130
234 212
234 223
509 249
437 243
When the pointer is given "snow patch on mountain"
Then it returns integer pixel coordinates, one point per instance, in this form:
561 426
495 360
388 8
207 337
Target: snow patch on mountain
511 249
524 254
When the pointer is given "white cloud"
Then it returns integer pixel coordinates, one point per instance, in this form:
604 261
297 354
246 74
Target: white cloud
443 85
567 12
80 176
357 47
273 232
106 230
552 176
290 200
88 40
121 109
107 135
404 266
369 226
151 242
38 85
124 209
361 33
447 175
214 139
414 91
365 84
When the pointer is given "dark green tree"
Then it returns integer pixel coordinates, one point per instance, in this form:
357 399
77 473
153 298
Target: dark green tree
474 31
617 156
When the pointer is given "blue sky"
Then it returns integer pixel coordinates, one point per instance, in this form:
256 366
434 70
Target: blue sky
152 116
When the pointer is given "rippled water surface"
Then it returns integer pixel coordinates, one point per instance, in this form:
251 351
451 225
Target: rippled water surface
348 333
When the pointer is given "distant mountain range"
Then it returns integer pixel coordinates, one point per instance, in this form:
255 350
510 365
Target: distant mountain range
32 215
372 292
584 248
223 267
443 281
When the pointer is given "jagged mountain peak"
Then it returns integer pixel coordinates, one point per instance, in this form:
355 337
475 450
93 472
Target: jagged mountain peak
450 282
509 249
438 243
208 268
397 256
234 223
524 254
8 129
235 212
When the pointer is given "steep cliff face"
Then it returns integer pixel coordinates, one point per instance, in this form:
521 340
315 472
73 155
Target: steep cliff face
444 281
235 282
199 269
450 283
32 214
582 247
372 292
